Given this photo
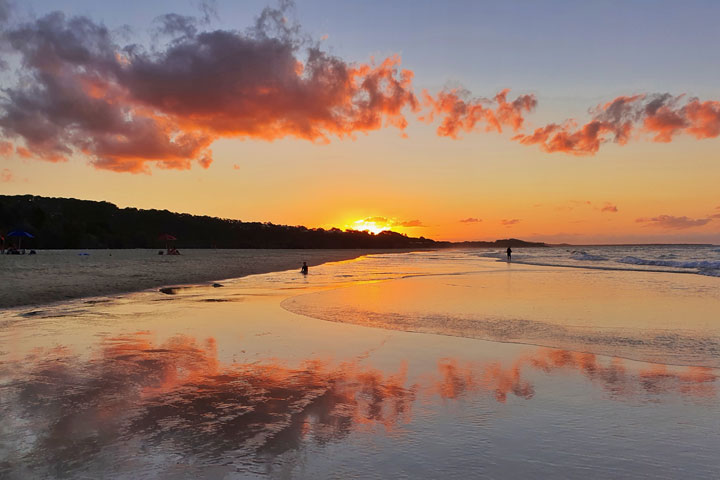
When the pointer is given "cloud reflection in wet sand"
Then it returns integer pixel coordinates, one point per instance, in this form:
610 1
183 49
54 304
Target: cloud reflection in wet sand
178 395
620 382
62 411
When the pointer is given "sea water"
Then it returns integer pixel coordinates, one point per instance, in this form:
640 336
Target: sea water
699 259
434 364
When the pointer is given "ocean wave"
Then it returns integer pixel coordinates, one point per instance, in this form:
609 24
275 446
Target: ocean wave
584 256
701 264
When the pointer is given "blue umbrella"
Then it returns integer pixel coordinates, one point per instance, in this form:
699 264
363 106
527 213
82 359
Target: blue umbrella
20 233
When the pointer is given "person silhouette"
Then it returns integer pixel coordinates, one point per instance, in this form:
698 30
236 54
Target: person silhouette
304 269
509 253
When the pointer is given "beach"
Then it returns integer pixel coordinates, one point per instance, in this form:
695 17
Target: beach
57 275
407 380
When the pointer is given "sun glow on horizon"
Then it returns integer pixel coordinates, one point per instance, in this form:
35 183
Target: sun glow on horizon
369 225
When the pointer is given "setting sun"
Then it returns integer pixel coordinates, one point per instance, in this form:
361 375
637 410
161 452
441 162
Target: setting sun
371 225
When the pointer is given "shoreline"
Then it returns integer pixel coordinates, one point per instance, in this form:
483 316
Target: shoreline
61 275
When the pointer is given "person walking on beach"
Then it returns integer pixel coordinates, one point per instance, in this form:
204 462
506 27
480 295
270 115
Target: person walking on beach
509 253
304 269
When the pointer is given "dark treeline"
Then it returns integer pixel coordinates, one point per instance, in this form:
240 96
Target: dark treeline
59 223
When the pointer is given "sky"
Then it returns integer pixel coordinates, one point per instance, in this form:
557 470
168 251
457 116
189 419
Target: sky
560 121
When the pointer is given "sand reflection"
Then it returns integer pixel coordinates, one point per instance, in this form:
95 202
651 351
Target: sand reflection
611 374
62 411
178 395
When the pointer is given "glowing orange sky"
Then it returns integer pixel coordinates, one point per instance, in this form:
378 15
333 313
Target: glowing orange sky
293 133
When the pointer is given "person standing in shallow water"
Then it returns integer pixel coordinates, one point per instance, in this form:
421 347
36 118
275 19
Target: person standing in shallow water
509 253
304 268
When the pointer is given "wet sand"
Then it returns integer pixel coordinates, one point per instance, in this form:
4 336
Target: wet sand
56 275
649 316
225 383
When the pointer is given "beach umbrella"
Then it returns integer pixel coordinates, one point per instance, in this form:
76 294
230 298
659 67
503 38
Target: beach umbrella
168 238
20 234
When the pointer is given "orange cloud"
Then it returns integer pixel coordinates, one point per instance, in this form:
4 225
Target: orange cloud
410 223
6 175
609 207
387 223
470 220
509 222
704 118
674 223
460 113
6 149
661 115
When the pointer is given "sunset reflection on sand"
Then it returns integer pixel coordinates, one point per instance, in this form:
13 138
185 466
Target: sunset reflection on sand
178 396
610 374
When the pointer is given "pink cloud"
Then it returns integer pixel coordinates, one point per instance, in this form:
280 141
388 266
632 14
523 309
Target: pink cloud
6 149
509 222
663 116
674 223
461 113
609 207
6 175
471 220
410 223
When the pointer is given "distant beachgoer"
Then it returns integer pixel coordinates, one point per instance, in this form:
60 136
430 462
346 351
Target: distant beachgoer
304 269
509 253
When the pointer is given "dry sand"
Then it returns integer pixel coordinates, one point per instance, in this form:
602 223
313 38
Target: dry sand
56 275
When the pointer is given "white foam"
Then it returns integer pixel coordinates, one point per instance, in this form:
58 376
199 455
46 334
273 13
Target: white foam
584 256
492 255
701 264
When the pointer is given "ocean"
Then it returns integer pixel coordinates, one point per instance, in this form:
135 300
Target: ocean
448 363
699 259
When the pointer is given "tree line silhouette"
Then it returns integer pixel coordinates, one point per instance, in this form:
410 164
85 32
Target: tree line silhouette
60 223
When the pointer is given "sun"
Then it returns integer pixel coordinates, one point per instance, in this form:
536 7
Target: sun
369 225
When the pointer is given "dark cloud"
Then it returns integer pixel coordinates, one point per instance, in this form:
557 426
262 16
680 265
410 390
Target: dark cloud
674 223
5 8
209 11
173 25
126 107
